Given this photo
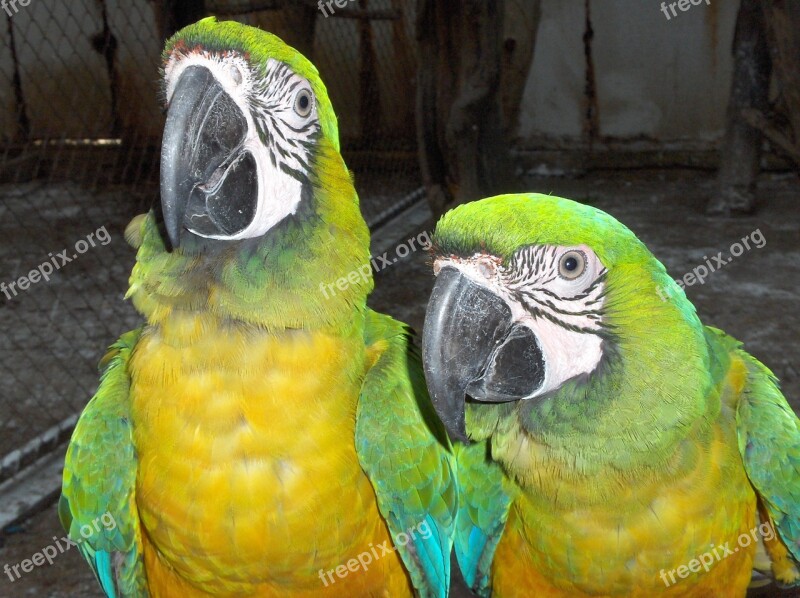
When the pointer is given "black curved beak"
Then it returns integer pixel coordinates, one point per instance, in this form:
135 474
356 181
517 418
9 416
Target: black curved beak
208 181
472 346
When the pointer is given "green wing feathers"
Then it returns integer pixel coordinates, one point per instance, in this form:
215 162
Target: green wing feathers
769 441
483 508
97 506
404 451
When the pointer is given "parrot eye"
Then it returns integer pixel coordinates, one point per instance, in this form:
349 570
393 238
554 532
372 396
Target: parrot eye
303 103
572 264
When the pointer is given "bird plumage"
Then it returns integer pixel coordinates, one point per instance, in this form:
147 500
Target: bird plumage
610 475
253 437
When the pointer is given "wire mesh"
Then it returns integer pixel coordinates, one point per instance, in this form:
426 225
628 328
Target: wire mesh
80 127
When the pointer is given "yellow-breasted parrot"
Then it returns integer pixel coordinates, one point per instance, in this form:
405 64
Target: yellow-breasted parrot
618 446
263 433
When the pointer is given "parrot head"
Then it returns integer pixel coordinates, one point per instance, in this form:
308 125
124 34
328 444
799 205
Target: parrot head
537 297
259 212
247 117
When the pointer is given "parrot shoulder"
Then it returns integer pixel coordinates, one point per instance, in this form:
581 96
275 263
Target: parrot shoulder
97 506
405 453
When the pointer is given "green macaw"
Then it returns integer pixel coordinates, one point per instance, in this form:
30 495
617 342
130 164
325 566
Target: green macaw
618 446
263 433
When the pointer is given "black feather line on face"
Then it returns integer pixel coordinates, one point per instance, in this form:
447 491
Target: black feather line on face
558 310
582 295
537 313
276 130
292 87
304 129
296 174
271 93
282 152
533 267
601 278
280 148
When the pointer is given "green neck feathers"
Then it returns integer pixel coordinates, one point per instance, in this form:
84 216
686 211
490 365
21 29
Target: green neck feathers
276 281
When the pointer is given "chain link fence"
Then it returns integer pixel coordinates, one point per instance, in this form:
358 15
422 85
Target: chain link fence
80 126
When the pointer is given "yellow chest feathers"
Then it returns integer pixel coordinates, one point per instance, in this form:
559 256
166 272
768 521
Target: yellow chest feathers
246 452
576 541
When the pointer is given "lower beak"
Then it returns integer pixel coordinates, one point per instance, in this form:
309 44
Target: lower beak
472 346
208 181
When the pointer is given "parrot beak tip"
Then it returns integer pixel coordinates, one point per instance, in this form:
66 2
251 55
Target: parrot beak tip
459 433
173 235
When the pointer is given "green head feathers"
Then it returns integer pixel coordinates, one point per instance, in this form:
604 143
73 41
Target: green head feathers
503 224
257 47
259 210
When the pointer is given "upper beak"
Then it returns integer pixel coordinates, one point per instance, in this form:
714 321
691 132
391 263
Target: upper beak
471 345
204 168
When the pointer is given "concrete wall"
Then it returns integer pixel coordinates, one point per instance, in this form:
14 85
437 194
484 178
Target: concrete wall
656 78
662 79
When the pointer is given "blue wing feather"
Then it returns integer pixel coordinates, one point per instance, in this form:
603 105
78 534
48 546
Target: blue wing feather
483 505
404 451
99 480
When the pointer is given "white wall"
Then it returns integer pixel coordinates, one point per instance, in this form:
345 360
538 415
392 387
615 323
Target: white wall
656 78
